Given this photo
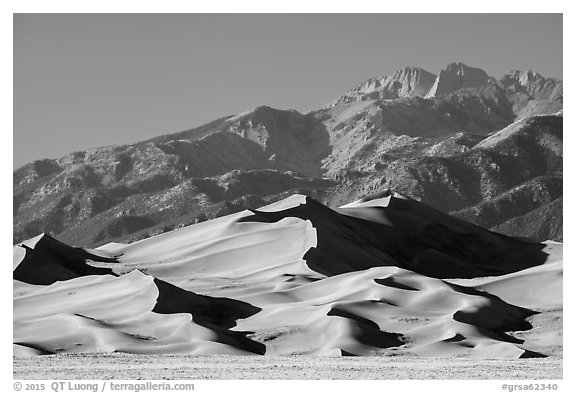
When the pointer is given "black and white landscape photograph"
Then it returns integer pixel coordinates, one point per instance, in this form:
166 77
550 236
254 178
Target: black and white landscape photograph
369 196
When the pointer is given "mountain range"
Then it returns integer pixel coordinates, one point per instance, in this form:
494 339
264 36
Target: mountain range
485 150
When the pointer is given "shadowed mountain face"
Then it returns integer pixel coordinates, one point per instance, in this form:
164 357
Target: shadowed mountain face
455 77
487 150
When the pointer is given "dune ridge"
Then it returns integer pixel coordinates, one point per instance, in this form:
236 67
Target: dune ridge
384 275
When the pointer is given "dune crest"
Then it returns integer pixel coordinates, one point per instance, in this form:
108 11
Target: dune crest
383 275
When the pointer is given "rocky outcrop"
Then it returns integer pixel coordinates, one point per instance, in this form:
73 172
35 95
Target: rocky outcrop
455 77
405 83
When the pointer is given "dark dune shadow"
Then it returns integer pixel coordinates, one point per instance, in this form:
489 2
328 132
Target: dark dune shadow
392 282
531 354
217 311
50 260
406 234
455 338
368 332
217 314
495 325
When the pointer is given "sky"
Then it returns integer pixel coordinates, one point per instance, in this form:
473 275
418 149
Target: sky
89 80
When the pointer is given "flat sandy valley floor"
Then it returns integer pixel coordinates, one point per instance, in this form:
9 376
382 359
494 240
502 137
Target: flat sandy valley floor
191 367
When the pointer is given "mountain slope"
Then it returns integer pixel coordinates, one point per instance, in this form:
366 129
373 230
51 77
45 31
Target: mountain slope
58 195
456 172
475 138
544 222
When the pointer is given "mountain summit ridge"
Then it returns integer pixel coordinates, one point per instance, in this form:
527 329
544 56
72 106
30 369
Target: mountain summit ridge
412 81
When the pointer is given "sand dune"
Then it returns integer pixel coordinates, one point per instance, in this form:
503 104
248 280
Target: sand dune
105 314
384 275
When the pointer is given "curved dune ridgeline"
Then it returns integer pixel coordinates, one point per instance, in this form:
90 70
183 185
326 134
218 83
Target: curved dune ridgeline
381 276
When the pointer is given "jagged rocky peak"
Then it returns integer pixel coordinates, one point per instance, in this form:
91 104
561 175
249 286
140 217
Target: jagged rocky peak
469 74
404 83
412 82
532 83
526 78
457 76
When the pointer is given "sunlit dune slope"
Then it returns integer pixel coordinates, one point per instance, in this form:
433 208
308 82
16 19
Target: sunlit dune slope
378 276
